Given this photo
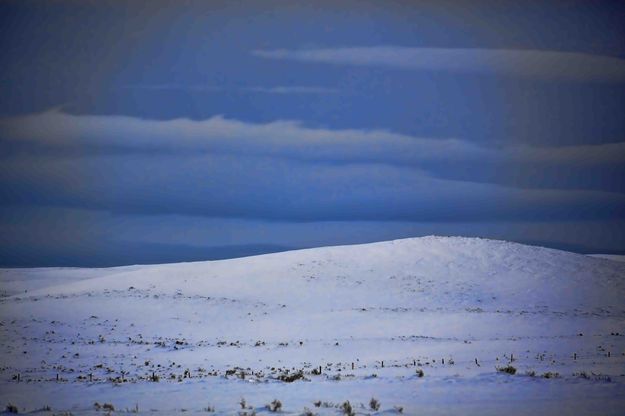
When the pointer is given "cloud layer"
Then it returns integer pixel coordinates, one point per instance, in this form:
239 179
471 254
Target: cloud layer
279 171
550 65
56 130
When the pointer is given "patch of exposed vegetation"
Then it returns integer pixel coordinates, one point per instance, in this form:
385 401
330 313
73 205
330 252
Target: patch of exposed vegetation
374 404
275 406
507 369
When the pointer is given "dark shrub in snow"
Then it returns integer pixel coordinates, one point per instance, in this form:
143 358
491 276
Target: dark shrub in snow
275 406
508 370
374 404
347 409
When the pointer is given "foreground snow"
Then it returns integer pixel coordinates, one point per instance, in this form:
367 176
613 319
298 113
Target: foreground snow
456 308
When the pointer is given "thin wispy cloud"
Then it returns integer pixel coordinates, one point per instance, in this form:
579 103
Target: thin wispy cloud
281 89
541 64
174 87
292 90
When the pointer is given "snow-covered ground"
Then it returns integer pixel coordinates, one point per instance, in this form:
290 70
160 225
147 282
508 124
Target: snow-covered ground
183 337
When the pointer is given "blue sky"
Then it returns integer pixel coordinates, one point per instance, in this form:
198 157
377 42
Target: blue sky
164 131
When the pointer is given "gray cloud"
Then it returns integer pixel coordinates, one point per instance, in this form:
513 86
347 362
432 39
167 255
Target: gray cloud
283 139
279 171
542 64
278 189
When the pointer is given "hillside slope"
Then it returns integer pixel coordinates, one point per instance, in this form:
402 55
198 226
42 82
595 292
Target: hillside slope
428 271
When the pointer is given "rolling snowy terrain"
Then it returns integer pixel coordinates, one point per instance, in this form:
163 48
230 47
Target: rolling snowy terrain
316 328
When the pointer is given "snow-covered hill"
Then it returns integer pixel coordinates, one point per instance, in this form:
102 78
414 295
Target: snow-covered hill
615 257
370 315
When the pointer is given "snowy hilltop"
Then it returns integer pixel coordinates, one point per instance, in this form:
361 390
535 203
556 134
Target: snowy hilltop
431 325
